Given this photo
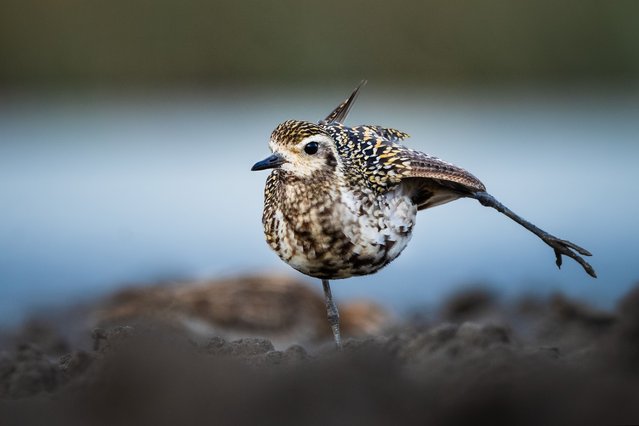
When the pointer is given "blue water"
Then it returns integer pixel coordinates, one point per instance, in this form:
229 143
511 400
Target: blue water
97 192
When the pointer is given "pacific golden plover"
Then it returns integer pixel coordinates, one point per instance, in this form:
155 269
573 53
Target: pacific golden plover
342 201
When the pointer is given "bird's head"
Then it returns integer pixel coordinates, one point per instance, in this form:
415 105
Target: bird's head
303 148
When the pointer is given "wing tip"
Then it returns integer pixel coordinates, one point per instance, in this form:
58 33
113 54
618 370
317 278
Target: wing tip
339 114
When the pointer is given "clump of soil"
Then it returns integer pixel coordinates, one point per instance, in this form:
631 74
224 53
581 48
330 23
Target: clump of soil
531 362
278 307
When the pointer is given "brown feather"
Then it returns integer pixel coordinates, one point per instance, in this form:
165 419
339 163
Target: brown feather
443 173
433 182
338 115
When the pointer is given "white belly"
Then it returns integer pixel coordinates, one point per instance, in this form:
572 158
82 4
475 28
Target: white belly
349 233
378 220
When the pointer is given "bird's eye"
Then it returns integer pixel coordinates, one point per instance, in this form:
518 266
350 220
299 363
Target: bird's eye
311 148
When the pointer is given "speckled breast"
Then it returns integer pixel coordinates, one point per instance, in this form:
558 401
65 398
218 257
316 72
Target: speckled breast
333 232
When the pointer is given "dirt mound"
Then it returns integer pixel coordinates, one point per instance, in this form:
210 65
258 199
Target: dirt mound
534 362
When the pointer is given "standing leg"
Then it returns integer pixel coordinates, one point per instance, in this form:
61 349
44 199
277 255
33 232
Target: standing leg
333 315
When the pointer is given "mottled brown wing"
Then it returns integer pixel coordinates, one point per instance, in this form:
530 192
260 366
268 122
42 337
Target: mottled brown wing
428 167
433 181
373 156
387 133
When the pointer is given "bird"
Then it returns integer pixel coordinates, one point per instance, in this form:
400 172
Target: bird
342 201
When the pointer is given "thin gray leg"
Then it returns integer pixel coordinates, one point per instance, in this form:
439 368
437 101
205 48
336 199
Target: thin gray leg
561 247
333 314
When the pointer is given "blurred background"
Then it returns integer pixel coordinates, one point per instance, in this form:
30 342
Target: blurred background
128 128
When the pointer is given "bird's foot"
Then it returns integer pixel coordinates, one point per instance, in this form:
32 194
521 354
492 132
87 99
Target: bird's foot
337 337
572 250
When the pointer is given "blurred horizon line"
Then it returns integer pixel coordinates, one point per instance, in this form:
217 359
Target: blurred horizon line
200 42
628 87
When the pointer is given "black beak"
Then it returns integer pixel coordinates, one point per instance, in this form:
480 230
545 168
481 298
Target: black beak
272 162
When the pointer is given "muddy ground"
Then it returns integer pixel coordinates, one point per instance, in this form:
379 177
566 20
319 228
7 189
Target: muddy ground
551 361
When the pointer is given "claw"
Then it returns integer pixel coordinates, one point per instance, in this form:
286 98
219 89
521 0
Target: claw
563 247
558 260
582 251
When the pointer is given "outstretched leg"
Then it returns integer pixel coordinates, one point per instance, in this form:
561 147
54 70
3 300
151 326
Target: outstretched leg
561 247
333 314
